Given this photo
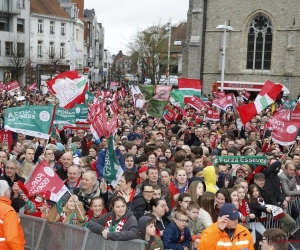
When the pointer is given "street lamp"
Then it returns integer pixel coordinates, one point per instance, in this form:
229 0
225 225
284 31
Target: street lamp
229 28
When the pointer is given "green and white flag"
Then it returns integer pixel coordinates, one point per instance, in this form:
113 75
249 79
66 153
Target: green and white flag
112 171
257 160
88 97
30 120
82 112
176 98
156 98
65 116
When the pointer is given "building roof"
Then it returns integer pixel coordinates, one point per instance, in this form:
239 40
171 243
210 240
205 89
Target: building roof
49 8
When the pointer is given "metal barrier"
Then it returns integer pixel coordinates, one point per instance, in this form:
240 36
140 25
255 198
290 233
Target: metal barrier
270 223
42 235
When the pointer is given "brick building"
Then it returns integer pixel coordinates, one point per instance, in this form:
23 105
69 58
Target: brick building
263 45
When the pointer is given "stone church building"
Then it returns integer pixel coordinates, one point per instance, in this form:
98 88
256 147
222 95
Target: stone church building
263 45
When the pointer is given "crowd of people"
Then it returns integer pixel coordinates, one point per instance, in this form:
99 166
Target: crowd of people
171 194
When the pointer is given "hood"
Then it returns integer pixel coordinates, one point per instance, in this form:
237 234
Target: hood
209 174
5 200
142 225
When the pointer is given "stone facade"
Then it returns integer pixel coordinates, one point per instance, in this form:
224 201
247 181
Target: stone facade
285 57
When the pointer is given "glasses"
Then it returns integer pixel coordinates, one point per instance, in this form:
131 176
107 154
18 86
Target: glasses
182 221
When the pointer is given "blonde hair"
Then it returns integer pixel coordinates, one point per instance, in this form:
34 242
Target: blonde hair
25 169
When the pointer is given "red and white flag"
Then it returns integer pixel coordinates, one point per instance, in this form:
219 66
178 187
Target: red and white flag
169 114
123 92
31 86
219 94
12 86
246 94
69 88
267 87
284 132
295 115
195 102
282 114
114 106
248 111
3 86
112 125
44 180
224 102
6 137
99 122
212 115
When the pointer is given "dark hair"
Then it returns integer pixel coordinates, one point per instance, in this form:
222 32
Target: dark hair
129 176
208 204
155 202
193 205
180 199
145 185
115 199
250 191
75 139
97 198
151 168
224 192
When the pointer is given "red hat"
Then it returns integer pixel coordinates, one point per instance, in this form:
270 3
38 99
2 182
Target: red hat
143 169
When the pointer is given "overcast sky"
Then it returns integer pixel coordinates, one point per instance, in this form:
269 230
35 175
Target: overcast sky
122 18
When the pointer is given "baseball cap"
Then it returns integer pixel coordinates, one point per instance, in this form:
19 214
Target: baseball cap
259 176
143 169
229 209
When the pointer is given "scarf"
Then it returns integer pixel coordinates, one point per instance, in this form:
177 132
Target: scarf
116 228
245 211
132 194
89 216
263 216
277 212
71 218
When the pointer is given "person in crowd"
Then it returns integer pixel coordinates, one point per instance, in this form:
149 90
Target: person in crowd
27 164
12 178
166 176
222 197
73 180
88 189
180 185
210 178
226 231
274 239
93 152
195 225
11 234
160 209
182 202
147 191
67 161
72 213
118 225
207 213
132 195
148 233
196 190
97 209
177 236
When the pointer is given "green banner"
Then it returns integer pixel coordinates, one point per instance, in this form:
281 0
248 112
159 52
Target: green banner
290 104
65 116
82 112
30 120
257 160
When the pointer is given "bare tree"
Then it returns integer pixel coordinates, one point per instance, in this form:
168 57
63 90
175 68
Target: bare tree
150 47
57 57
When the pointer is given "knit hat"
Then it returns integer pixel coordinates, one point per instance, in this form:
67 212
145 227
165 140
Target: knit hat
58 154
229 209
52 147
72 147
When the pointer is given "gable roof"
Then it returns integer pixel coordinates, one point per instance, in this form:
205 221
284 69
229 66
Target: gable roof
48 7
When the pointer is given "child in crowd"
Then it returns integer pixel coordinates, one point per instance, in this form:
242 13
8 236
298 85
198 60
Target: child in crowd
195 225
148 233
97 209
176 235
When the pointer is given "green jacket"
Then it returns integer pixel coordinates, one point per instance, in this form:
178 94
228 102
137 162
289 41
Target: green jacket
195 226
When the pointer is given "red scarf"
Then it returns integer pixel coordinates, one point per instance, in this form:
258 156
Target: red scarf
116 228
244 209
132 194
89 215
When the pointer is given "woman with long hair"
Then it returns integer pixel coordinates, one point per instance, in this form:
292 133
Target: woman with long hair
222 197
196 190
207 213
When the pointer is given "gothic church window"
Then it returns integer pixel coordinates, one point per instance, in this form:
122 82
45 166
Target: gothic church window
260 34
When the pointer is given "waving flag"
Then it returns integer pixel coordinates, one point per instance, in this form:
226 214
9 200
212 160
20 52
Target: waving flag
31 86
138 98
296 112
169 114
265 89
246 94
112 171
12 86
212 115
88 97
189 87
248 111
195 102
176 98
224 102
99 123
69 88
156 98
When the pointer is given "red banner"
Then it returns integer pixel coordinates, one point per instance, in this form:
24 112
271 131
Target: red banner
99 122
246 94
12 86
196 102
284 132
31 87
123 92
114 106
224 102
169 115
44 180
113 125
6 136
212 115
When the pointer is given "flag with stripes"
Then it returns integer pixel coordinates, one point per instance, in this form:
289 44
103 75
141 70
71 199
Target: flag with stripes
189 87
248 111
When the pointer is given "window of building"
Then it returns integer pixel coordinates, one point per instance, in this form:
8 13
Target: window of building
8 48
20 25
40 26
20 49
62 50
21 4
52 27
51 49
39 49
260 34
63 29
4 23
